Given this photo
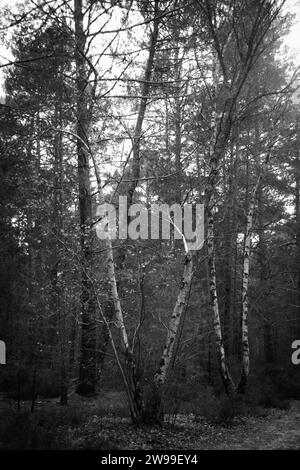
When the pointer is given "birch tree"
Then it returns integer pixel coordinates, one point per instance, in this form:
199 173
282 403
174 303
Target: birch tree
249 44
246 265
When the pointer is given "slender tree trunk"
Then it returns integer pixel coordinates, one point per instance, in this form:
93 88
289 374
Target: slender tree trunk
225 375
178 124
103 340
262 252
132 387
209 361
87 368
59 313
130 368
235 314
297 220
136 169
245 284
230 243
215 153
268 343
154 409
146 86
33 387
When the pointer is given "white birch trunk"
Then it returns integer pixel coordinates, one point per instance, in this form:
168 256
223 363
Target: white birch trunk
154 410
209 191
180 305
245 288
226 378
129 375
111 274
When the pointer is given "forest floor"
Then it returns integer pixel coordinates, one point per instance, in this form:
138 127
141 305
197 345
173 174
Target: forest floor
277 429
280 429
271 429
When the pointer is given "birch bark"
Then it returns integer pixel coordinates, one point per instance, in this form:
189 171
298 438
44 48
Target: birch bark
209 202
162 372
245 283
154 409
132 387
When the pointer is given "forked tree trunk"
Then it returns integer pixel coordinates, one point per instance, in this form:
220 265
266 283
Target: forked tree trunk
221 128
136 170
154 408
128 365
216 151
133 390
225 375
230 245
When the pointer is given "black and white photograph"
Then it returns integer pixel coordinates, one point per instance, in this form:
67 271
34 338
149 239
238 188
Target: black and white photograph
149 228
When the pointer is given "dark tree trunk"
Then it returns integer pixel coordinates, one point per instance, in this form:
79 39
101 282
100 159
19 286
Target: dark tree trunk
268 343
103 340
145 91
297 220
87 367
33 388
230 255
